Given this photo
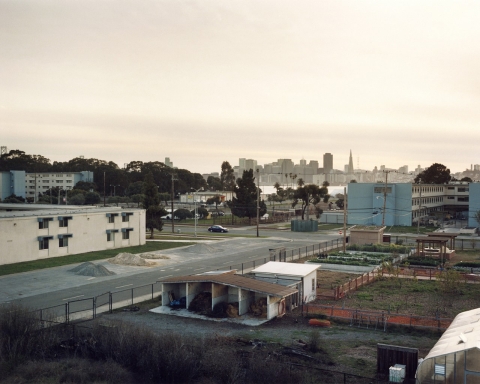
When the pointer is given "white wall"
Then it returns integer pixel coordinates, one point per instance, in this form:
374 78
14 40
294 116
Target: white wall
19 234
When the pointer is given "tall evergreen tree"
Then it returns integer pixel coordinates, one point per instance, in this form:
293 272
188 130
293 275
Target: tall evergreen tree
151 204
244 204
227 177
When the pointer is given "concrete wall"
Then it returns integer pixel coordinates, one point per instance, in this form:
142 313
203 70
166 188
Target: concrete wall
19 235
219 293
309 289
366 236
245 298
272 306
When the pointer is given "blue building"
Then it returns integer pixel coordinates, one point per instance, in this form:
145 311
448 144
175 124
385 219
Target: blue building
474 204
366 203
405 203
12 182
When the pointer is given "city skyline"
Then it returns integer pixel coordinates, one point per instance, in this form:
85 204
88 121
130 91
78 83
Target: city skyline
204 83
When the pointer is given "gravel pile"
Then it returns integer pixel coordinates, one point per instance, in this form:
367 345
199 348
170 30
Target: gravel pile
153 256
202 248
90 269
130 259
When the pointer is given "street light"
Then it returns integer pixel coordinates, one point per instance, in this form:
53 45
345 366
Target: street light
195 202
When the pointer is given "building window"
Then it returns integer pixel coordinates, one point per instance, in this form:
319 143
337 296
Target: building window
462 189
111 219
462 198
110 236
126 235
43 225
382 189
63 222
59 181
125 218
63 242
43 243
69 181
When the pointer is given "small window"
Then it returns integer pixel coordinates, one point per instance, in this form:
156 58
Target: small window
63 223
43 243
110 236
125 218
111 219
63 242
126 234
43 225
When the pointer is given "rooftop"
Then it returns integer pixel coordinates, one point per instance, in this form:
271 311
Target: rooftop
290 269
34 210
235 281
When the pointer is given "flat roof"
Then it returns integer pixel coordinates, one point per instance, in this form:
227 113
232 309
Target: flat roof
237 281
290 269
52 210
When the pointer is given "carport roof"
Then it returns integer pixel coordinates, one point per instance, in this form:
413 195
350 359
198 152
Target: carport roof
235 281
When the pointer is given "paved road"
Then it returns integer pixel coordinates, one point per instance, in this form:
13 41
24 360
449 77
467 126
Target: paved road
54 286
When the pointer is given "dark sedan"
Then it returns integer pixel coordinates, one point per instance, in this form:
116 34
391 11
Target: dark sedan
217 228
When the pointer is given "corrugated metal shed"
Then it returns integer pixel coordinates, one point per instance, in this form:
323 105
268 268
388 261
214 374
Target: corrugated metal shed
236 281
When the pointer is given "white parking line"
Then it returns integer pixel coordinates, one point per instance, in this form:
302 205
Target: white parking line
123 286
198 269
164 277
75 297
91 278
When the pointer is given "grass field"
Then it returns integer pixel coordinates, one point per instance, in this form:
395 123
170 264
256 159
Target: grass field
83 257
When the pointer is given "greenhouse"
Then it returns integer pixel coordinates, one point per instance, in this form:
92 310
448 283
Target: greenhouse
455 358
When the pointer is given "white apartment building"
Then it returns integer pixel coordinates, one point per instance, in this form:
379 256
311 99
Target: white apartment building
27 235
36 183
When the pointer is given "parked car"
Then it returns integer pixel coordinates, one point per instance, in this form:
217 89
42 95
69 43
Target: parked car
168 217
217 213
217 228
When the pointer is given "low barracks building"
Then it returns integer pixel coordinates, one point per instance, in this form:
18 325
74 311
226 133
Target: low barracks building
27 235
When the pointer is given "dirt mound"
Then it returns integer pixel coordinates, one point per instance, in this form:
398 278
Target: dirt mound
130 259
202 303
202 248
223 309
259 308
152 256
90 269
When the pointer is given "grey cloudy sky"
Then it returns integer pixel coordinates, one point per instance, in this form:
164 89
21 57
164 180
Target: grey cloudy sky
397 82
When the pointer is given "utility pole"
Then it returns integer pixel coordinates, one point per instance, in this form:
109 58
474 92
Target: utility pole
258 198
384 199
344 219
174 177
104 189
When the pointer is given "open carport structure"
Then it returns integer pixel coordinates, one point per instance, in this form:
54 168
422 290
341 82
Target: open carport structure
229 288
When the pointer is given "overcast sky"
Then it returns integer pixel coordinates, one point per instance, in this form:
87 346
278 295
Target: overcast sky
397 82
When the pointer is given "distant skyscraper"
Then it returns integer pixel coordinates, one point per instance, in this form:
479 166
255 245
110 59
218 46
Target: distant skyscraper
168 163
350 163
327 162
